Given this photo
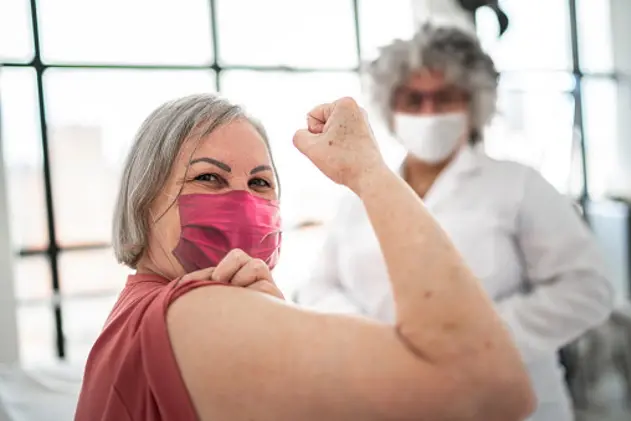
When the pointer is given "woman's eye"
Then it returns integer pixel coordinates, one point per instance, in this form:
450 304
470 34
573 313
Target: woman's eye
207 177
259 182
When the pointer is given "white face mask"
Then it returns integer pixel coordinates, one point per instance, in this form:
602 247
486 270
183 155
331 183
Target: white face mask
431 138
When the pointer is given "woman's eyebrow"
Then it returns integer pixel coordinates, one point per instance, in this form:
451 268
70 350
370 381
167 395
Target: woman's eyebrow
214 162
261 168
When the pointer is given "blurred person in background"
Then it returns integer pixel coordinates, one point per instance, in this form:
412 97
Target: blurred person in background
525 241
201 332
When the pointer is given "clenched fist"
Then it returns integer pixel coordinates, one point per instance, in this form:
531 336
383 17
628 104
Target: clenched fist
340 142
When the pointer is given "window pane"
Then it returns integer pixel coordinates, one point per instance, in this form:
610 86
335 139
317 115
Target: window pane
281 101
287 32
535 127
83 321
16 39
32 278
537 37
126 32
381 22
92 118
537 81
601 133
91 271
36 332
23 157
594 35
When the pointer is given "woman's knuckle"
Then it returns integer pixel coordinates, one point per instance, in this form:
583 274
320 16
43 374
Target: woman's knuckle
258 264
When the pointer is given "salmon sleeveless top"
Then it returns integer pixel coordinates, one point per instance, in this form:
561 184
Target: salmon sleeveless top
131 373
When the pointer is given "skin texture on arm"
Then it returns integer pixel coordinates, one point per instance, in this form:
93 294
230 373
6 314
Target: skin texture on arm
255 358
570 291
244 355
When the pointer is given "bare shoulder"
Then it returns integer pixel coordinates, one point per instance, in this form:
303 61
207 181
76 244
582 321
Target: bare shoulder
216 310
216 335
196 300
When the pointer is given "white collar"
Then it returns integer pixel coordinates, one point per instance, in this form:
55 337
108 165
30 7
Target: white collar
467 159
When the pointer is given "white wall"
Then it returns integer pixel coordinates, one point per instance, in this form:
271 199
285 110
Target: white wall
8 329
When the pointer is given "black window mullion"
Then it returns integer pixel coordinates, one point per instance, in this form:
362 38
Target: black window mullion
53 249
357 23
215 43
578 98
79 247
149 67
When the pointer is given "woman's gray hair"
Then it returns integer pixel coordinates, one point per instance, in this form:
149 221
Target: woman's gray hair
156 147
449 49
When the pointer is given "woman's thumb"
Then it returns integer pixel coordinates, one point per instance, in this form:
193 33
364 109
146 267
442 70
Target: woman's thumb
303 139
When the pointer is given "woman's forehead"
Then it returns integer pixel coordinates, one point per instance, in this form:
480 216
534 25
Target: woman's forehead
237 142
425 79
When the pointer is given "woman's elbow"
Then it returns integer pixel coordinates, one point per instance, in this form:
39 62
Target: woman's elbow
499 387
496 390
508 397
485 399
489 387
497 395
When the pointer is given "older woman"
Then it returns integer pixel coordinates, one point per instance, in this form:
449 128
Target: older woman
535 257
199 196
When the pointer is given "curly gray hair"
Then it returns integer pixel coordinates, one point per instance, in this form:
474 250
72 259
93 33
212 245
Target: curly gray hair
448 49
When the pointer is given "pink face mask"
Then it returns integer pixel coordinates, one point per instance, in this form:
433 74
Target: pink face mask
214 224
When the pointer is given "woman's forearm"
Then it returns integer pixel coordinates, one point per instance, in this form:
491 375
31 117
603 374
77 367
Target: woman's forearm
442 311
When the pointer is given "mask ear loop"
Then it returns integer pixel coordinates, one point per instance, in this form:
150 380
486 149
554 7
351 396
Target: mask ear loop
279 233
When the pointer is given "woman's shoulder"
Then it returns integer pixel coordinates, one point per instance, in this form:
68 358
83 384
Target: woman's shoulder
507 170
510 184
140 291
141 310
133 355
514 178
144 292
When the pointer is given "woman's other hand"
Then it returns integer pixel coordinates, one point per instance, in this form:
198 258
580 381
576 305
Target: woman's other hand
241 270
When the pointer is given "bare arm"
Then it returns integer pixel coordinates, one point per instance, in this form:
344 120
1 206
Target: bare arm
246 356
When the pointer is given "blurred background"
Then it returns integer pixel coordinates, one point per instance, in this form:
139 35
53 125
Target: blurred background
77 77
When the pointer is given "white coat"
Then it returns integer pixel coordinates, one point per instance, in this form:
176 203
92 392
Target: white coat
527 244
